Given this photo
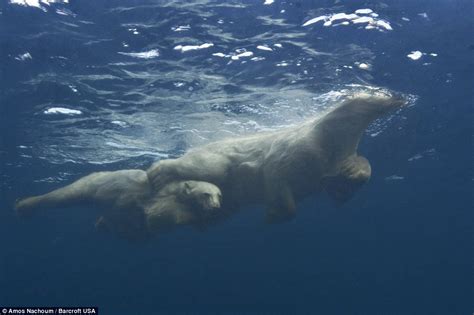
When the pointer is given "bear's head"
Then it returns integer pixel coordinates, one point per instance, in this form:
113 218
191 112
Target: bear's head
206 195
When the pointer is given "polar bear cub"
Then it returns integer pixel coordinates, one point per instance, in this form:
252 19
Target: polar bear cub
129 206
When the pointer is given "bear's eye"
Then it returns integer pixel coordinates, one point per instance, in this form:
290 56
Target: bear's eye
207 195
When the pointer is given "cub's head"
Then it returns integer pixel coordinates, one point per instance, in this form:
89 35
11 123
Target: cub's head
205 194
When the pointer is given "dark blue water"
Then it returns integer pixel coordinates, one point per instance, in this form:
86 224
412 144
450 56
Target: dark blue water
402 245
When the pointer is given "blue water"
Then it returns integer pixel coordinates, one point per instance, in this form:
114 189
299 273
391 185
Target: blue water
402 245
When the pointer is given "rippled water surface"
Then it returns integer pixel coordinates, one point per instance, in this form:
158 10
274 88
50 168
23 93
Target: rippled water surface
106 85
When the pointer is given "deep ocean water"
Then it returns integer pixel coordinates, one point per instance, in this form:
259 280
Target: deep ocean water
107 85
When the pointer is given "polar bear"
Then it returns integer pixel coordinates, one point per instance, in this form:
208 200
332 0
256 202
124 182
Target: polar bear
130 208
278 168
275 168
193 203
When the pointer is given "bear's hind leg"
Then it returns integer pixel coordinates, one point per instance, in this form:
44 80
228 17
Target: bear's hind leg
71 194
281 205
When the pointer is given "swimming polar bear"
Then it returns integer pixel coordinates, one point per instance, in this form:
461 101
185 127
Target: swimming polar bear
275 168
130 208
278 168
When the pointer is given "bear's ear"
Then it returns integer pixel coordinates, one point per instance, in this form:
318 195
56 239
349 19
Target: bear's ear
187 188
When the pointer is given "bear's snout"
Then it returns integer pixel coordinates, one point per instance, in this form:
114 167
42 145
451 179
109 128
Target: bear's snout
214 203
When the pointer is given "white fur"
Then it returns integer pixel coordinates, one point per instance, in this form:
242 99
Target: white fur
280 167
276 168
